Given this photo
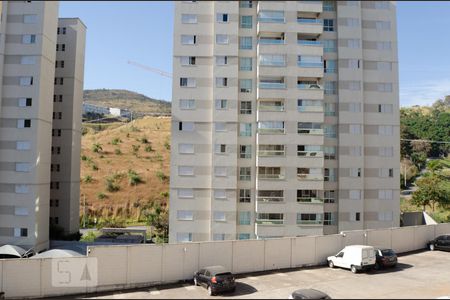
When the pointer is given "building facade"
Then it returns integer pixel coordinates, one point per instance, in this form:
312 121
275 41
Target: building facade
67 117
28 42
285 119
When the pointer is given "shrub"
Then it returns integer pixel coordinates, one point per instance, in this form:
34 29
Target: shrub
135 149
161 176
144 140
97 147
134 178
148 148
116 141
101 196
167 145
117 151
84 157
111 185
94 167
164 194
88 179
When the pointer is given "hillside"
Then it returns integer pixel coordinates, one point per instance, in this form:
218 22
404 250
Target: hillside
124 99
115 158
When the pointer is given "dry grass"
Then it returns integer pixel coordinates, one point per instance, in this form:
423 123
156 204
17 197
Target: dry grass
128 200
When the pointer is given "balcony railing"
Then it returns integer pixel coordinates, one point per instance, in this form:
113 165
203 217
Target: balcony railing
310 21
270 41
309 43
271 176
305 64
311 200
310 153
310 131
270 199
309 222
271 20
269 222
310 177
271 130
309 86
310 108
273 63
266 107
271 153
272 85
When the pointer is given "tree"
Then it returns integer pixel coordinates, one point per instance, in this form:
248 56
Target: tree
421 147
430 192
157 216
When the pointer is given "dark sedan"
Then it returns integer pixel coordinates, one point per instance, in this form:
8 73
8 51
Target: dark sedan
385 258
215 279
440 243
308 294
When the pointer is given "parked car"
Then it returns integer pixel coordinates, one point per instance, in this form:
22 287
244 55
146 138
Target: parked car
385 258
440 243
354 257
308 294
215 279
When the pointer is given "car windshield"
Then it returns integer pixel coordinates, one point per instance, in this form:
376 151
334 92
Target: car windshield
224 274
388 252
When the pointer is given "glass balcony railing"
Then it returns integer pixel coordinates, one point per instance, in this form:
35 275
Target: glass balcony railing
271 20
312 200
272 63
310 153
310 21
271 153
309 222
270 199
306 64
309 43
266 107
272 85
315 131
269 222
310 177
271 130
271 176
270 41
309 86
310 108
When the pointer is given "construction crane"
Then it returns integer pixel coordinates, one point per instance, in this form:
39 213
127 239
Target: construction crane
154 70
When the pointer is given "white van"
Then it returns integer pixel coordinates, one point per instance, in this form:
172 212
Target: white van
355 258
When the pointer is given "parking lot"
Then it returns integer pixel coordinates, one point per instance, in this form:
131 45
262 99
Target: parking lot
420 275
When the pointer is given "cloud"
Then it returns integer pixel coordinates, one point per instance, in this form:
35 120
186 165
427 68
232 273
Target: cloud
424 92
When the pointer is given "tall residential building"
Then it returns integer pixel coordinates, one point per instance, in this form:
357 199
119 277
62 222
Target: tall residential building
28 43
66 132
285 119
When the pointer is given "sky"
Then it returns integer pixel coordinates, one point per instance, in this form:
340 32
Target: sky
142 32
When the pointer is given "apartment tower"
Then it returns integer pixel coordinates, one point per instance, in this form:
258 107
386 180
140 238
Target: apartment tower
66 132
28 43
285 119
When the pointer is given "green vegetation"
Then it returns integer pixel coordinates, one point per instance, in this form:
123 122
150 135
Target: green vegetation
157 216
117 151
88 179
97 148
116 141
134 178
148 148
161 176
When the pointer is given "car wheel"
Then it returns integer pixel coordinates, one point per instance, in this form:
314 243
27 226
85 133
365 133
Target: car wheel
195 281
330 264
210 292
233 290
353 269
394 266
377 266
431 247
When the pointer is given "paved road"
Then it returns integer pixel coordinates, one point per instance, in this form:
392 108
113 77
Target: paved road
420 275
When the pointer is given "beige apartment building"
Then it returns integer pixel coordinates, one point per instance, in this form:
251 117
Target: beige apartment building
285 119
28 43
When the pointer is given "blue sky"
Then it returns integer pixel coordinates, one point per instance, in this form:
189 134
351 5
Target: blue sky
142 32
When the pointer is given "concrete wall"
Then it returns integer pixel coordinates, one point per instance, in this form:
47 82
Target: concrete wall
133 266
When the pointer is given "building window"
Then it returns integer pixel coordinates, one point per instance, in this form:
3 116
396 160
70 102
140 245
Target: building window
309 219
220 194
218 236
23 167
245 218
329 131
329 46
329 6
270 218
188 39
184 237
330 88
245 43
221 81
222 39
244 196
385 194
187 60
187 82
329 196
30 19
57 115
186 148
385 108
26 81
61 30
185 193
355 172
355 129
28 60
54 185
386 172
245 151
220 148
245 129
59 64
245 107
60 47
355 194
221 60
220 126
386 151
25 102
219 216
329 218
187 104
386 216
185 215
59 80
185 171
328 25
329 174
56 150
56 132
246 4
385 130
355 150
21 189
188 18
186 126
354 107
330 109
23 145
222 18
383 25
329 66
245 63
57 98
245 174
245 85
24 123
244 236
329 152
29 39
220 171
221 104
20 232
354 43
246 21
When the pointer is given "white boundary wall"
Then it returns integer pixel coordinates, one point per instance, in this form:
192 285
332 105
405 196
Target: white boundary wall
133 266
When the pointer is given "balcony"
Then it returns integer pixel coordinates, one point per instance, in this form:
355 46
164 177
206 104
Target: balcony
310 21
309 174
312 43
310 153
271 106
306 64
310 222
309 200
303 85
269 222
309 6
270 219
313 26
271 41
270 196
310 108
270 173
271 150
272 84
271 130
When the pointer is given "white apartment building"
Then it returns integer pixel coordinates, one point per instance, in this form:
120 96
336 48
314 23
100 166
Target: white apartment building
285 119
28 43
